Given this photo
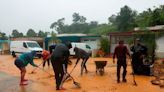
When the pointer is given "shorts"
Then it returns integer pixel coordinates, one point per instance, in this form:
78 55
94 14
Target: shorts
19 63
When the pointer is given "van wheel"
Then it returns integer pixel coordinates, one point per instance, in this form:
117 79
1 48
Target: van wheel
13 54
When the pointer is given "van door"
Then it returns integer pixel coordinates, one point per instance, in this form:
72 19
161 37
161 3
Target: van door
24 47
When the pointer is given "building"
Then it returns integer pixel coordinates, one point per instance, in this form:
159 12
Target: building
129 37
91 40
4 46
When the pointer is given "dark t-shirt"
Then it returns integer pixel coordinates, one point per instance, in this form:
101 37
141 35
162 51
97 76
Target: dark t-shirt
139 50
80 53
120 52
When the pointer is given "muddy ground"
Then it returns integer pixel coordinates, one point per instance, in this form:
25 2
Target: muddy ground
41 81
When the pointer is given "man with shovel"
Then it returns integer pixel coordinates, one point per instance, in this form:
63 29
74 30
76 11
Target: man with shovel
81 54
60 57
120 53
46 55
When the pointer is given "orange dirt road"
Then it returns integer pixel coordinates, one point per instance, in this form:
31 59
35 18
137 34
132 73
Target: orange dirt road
41 81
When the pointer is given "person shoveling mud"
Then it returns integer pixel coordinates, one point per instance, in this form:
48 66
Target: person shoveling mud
21 62
59 57
45 56
81 54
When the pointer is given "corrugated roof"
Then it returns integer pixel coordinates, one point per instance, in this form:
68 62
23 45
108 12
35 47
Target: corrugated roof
60 35
158 27
4 41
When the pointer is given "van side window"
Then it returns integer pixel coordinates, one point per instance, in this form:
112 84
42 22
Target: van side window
88 47
24 45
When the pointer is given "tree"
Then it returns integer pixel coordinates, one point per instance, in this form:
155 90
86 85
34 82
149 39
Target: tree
42 34
3 36
151 17
102 29
59 25
112 19
78 19
20 34
104 45
15 33
144 18
54 39
125 20
31 33
158 16
93 24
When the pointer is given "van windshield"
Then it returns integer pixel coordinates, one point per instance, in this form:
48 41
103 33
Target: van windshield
32 45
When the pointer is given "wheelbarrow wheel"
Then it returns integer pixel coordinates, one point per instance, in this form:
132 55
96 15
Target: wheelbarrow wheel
101 72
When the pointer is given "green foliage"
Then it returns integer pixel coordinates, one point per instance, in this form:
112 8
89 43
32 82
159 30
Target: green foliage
112 19
31 33
104 45
125 20
79 28
15 33
54 39
42 34
151 17
59 25
144 18
3 36
102 29
77 19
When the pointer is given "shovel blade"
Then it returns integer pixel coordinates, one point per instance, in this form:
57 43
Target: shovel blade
77 84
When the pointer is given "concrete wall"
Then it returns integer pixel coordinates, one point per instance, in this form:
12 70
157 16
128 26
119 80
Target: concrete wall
160 47
4 48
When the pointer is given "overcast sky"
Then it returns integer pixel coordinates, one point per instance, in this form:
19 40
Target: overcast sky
39 14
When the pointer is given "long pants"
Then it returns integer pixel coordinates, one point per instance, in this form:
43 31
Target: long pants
83 65
137 63
121 62
58 70
44 62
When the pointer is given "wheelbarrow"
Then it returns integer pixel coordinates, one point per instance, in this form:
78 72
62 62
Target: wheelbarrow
100 67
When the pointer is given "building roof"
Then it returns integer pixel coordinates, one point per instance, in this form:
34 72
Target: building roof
153 28
4 41
138 29
79 34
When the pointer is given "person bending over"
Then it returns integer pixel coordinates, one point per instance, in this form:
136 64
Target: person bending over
22 61
46 55
82 54
60 57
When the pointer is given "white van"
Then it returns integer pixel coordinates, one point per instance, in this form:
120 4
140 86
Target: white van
83 46
18 47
